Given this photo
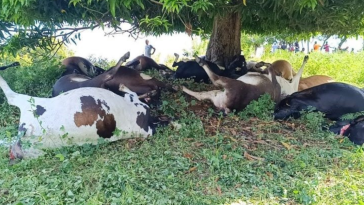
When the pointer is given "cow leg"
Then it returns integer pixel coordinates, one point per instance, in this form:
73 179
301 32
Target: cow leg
261 64
125 89
145 76
207 95
148 95
124 57
177 56
141 89
215 79
217 97
297 77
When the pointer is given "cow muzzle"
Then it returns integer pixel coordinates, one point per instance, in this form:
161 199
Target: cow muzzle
16 153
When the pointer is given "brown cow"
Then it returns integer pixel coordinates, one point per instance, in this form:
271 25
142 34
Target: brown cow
313 81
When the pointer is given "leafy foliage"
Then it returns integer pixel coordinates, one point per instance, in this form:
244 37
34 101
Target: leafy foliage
261 108
34 23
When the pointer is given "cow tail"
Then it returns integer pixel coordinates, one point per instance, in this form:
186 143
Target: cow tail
276 86
12 97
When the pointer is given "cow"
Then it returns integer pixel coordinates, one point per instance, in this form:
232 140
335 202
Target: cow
143 63
191 69
238 66
353 129
76 117
10 65
281 68
111 79
287 87
79 65
237 94
313 81
333 99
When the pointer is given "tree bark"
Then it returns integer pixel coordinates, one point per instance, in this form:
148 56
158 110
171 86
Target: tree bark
224 43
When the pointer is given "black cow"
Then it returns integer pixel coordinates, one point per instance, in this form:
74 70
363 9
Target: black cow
79 65
143 63
239 65
191 69
353 129
332 99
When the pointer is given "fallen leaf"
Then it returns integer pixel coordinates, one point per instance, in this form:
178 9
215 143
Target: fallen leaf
286 145
231 138
260 142
187 155
251 157
191 170
198 144
218 188
224 156
270 175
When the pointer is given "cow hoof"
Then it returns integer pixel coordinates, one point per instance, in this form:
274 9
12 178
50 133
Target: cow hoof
126 56
177 87
15 64
306 58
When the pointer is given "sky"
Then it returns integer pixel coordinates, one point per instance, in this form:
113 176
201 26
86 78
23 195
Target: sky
113 47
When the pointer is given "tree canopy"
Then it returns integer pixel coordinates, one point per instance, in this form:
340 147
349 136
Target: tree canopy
34 23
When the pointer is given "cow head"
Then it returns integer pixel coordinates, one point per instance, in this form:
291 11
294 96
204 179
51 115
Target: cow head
354 131
238 65
289 107
16 152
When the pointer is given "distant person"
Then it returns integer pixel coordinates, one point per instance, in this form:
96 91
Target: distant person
283 46
303 50
148 49
296 47
274 47
352 50
291 47
327 47
316 46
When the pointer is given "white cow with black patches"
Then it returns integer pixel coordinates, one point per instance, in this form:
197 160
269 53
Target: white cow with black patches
76 117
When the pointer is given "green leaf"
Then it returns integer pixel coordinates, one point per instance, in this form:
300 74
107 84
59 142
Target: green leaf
60 157
112 4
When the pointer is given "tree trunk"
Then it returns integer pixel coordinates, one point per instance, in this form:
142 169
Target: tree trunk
224 43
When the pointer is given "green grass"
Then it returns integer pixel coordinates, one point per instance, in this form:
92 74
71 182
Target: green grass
213 159
342 67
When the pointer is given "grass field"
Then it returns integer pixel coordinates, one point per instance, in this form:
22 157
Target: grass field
243 158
